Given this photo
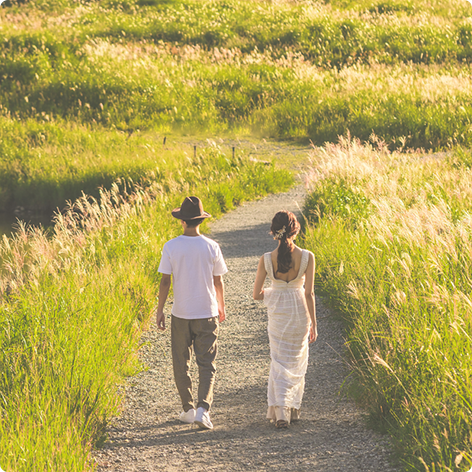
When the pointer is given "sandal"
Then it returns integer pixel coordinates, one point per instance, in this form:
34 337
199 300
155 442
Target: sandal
281 424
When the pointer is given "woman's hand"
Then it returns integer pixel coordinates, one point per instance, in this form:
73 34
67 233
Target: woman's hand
313 334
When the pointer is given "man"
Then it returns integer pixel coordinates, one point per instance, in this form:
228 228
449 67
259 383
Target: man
197 267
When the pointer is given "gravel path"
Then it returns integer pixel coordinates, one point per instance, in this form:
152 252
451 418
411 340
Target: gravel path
331 435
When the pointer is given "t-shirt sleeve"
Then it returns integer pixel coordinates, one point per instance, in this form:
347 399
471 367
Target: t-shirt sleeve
165 266
219 267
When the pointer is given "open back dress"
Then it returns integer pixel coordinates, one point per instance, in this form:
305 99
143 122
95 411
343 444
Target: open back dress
288 328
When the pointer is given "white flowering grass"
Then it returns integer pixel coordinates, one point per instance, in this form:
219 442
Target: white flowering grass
392 238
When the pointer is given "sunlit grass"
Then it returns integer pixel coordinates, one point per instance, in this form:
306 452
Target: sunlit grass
88 90
43 164
74 303
398 69
392 238
189 89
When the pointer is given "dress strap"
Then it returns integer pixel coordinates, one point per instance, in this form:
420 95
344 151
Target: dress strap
268 265
303 263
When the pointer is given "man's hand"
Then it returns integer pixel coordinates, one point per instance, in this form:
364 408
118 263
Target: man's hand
160 320
220 296
164 287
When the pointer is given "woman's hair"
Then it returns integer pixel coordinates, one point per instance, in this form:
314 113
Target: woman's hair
285 227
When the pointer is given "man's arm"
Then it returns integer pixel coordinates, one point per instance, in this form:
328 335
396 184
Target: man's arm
220 296
164 287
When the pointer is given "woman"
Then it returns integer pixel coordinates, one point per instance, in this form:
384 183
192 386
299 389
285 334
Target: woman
290 305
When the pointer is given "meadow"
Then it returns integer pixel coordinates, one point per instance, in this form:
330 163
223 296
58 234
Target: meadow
79 78
45 164
89 89
392 237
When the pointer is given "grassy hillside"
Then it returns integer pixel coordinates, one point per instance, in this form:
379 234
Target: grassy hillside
79 77
310 70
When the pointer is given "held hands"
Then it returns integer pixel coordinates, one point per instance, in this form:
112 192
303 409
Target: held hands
313 334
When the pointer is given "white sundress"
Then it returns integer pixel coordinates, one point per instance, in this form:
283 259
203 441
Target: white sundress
288 328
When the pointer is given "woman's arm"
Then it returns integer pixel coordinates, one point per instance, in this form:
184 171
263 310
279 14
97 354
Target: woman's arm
261 274
310 296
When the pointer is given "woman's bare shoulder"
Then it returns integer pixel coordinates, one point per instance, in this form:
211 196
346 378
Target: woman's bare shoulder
297 252
304 250
311 257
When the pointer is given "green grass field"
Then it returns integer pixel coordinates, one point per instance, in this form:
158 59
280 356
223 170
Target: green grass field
89 89
78 78
392 237
74 304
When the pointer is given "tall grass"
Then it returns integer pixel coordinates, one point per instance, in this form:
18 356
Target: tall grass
75 298
81 81
192 66
45 163
392 237
75 302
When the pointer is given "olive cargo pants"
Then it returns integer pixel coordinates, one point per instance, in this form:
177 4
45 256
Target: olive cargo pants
202 335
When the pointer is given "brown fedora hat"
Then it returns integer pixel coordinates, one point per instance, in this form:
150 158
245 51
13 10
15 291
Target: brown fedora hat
191 209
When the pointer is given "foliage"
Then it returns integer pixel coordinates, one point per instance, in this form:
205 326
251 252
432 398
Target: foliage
391 234
86 85
75 302
397 68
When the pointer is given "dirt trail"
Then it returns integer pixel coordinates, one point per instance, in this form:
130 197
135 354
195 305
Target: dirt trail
331 435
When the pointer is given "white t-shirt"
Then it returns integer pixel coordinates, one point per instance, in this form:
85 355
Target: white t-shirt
193 261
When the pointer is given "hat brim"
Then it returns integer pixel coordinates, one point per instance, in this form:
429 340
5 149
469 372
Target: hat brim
176 214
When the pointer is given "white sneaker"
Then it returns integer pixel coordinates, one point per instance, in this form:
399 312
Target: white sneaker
187 416
202 418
